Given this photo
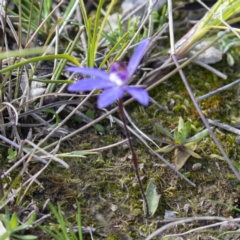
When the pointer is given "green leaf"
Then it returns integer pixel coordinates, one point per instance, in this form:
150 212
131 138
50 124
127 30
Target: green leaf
24 52
77 118
192 153
90 114
5 236
199 136
230 59
152 198
14 221
229 45
190 144
99 128
180 124
26 237
27 223
179 137
79 222
186 130
166 149
11 154
163 131
35 59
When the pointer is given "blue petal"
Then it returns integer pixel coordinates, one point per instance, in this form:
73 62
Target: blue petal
109 96
88 84
140 94
89 71
137 57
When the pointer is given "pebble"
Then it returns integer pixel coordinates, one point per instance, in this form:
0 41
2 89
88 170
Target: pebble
196 166
186 207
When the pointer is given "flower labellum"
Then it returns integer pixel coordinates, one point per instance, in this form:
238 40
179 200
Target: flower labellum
115 82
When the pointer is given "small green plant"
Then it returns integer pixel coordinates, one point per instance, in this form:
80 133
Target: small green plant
12 226
119 36
229 47
181 142
63 229
160 19
12 155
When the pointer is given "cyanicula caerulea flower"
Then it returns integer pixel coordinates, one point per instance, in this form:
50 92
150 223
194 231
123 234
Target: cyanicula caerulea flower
115 82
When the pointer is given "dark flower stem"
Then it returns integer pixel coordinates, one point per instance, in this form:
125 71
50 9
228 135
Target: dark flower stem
134 157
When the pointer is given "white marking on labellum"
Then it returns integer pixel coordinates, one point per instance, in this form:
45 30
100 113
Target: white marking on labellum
116 79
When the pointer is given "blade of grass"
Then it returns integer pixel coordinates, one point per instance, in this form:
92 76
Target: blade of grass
94 43
60 67
22 53
51 81
99 35
90 52
113 49
79 222
41 58
120 52
43 22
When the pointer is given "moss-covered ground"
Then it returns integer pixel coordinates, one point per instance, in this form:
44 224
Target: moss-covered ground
105 183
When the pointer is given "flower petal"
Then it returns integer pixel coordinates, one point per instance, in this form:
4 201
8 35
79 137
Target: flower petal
109 96
121 70
140 94
137 57
88 84
89 71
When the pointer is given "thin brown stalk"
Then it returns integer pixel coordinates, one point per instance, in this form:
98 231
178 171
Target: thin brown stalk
134 156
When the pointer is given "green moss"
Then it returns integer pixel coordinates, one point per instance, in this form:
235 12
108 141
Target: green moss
105 183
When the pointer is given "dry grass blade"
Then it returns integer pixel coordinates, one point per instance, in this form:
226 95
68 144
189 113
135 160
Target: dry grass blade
219 90
187 220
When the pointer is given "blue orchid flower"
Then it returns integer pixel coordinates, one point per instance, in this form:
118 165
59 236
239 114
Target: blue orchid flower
115 82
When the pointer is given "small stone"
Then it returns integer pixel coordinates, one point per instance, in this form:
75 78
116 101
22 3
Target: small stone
196 166
114 207
170 214
216 163
211 212
172 102
211 55
186 207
